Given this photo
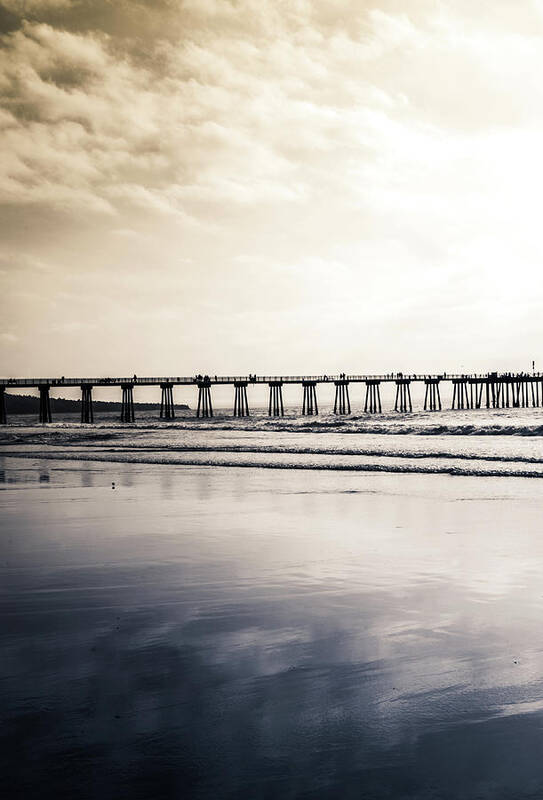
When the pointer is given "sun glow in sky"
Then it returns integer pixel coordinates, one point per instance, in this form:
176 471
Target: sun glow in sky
269 186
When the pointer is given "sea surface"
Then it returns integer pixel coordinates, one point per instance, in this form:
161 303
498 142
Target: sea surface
273 608
476 442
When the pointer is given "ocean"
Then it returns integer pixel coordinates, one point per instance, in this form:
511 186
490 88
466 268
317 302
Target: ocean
475 442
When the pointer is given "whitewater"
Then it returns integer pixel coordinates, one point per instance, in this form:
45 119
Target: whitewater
482 442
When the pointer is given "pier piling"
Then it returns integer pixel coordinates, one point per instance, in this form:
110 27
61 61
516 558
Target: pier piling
205 408
476 387
462 398
403 395
432 398
87 414
3 414
535 392
45 404
309 405
167 409
127 407
241 404
501 393
519 392
275 405
342 403
372 404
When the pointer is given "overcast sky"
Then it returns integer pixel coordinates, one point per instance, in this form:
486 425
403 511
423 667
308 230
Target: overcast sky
227 186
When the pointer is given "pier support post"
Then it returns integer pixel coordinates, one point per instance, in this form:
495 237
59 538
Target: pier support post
167 410
520 394
496 393
535 392
476 387
342 403
372 404
461 397
87 413
309 405
519 391
205 408
3 414
241 404
45 404
275 405
127 408
524 392
403 395
504 392
432 398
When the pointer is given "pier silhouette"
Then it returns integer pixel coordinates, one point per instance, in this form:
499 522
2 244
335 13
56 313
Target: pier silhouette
490 390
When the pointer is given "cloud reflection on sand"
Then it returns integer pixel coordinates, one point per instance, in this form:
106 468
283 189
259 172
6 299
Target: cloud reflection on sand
255 633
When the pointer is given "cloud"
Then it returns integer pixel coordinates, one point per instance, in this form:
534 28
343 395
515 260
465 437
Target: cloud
354 152
259 103
24 7
91 125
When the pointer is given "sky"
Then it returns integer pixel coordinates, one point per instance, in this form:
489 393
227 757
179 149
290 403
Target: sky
234 186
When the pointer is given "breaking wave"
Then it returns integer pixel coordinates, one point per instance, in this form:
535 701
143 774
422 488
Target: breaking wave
491 443
441 464
330 451
351 426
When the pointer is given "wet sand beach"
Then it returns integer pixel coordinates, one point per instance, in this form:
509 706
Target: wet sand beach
259 633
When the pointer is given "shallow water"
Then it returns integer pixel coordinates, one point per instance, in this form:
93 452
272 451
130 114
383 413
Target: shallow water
501 442
258 633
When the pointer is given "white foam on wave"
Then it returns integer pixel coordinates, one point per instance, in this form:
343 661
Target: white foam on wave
330 462
482 442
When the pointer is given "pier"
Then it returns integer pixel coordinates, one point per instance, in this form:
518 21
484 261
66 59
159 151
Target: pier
490 390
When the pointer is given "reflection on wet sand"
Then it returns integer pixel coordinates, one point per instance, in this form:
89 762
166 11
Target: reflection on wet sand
239 633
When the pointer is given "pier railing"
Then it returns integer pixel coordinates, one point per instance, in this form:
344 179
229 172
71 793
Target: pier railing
136 380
